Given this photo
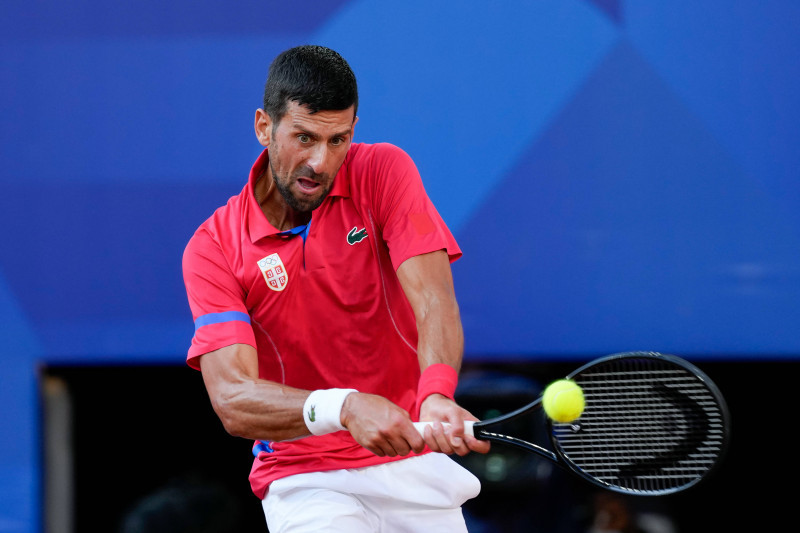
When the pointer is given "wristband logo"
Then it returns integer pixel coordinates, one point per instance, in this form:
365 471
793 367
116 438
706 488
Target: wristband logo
356 235
274 272
312 416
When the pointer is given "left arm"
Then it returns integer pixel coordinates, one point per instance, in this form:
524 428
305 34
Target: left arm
428 284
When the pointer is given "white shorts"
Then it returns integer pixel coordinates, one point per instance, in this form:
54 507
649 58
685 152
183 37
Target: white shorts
418 494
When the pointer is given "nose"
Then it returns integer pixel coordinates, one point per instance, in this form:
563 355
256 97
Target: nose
318 158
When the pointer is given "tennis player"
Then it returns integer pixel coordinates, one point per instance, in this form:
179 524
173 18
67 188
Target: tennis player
326 320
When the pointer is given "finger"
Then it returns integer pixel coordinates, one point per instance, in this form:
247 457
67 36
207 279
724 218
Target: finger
456 433
381 448
376 450
458 443
415 440
400 446
477 445
440 438
387 450
402 443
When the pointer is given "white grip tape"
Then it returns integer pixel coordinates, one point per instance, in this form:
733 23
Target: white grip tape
467 427
323 410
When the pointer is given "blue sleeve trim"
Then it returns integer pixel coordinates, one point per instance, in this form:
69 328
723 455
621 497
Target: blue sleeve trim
216 318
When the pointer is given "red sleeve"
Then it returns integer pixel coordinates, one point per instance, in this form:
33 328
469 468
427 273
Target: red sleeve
216 299
410 223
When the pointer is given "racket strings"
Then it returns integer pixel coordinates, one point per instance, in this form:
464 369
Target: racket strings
649 426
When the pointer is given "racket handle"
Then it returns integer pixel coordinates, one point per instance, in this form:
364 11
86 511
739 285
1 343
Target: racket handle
467 427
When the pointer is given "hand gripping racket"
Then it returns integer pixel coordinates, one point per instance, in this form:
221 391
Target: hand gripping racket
653 424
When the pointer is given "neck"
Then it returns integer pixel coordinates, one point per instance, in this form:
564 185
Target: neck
278 213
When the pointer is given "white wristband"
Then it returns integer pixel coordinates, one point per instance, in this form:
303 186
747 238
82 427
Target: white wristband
323 409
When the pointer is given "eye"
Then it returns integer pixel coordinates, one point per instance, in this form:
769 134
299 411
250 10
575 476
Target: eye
336 141
304 138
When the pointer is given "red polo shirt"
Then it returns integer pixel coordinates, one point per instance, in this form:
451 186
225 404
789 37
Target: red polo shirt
321 304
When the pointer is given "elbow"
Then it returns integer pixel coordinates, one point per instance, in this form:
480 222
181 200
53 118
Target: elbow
232 418
233 426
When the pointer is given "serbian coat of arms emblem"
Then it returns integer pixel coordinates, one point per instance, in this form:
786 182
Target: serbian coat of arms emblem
274 272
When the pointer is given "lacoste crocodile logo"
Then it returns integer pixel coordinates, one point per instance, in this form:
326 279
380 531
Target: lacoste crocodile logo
312 416
356 235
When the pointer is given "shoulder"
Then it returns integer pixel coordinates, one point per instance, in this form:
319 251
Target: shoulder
222 227
377 154
373 167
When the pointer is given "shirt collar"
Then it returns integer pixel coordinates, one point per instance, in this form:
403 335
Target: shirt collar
258 225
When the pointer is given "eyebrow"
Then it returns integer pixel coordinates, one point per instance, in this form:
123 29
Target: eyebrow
343 133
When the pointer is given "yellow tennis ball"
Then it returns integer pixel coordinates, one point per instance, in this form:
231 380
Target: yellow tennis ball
563 400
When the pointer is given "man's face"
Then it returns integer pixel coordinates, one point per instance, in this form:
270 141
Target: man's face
306 151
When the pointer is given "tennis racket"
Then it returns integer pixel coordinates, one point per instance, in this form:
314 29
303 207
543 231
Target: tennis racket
654 424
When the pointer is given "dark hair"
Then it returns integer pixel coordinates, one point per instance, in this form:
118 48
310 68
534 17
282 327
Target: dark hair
310 75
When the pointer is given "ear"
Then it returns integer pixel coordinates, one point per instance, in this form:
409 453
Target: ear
263 127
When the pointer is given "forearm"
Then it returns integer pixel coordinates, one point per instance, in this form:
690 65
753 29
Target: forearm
441 347
247 406
262 410
441 336
428 284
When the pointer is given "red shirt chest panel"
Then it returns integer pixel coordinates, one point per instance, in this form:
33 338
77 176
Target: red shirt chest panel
316 305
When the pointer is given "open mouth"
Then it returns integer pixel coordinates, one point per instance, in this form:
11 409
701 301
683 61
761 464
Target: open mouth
307 185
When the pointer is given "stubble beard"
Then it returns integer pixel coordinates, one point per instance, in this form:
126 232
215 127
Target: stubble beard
283 186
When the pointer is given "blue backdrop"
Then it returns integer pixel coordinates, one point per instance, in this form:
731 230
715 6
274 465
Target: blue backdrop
621 175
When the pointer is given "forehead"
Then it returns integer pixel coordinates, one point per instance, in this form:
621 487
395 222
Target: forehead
299 117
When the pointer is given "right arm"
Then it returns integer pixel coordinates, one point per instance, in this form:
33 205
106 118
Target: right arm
247 406
255 408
